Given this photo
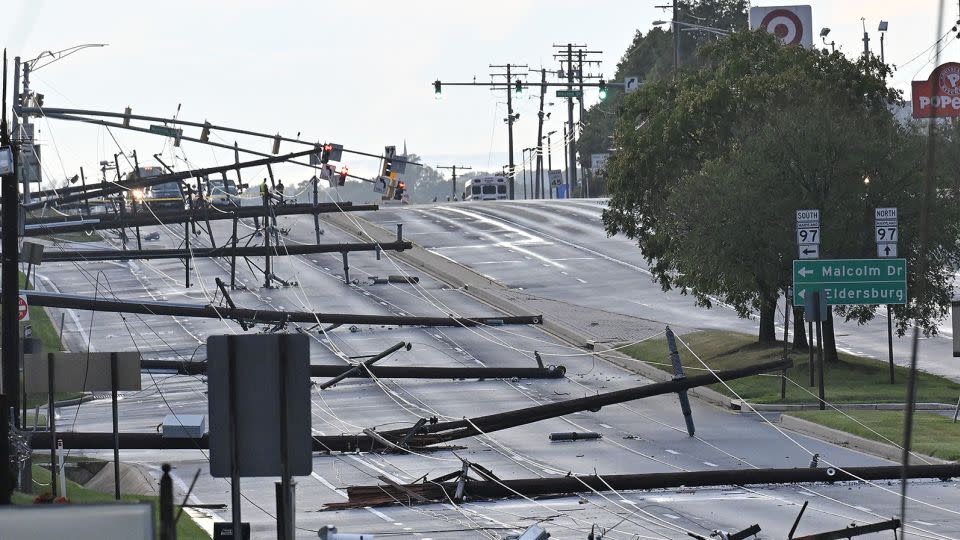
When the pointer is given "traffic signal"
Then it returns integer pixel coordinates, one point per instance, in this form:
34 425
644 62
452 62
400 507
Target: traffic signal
205 134
343 175
436 88
325 153
398 192
517 87
387 166
603 89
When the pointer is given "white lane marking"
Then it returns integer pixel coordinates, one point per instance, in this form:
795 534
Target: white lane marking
324 481
708 464
564 273
606 426
864 509
529 238
924 523
671 516
581 280
674 452
379 514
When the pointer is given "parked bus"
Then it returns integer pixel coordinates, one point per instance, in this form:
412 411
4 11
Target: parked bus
485 188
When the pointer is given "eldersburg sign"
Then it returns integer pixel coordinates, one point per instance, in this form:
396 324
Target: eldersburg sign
851 281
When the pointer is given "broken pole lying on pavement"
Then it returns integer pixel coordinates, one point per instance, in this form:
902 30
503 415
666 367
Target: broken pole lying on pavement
458 429
68 224
433 491
239 251
386 372
425 434
249 315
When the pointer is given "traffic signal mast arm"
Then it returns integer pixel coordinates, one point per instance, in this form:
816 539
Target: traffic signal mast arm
78 115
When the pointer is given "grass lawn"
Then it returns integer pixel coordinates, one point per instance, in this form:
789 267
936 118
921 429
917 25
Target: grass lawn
186 528
73 237
933 434
853 380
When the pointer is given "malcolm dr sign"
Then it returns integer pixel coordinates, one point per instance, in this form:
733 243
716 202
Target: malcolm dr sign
939 95
851 281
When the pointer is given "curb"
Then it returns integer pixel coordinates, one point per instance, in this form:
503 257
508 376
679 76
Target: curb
738 405
488 291
848 440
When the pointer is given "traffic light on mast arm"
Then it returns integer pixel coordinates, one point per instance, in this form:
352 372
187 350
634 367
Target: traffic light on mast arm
325 153
398 192
343 175
603 89
437 88
518 87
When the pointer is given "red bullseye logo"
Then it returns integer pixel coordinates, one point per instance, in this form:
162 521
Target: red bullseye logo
784 24
949 80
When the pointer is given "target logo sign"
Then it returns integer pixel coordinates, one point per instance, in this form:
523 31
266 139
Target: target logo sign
792 24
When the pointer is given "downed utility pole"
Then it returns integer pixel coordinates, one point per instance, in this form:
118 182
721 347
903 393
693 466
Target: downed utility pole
458 429
365 364
143 307
224 251
850 532
60 225
382 495
76 440
119 187
386 372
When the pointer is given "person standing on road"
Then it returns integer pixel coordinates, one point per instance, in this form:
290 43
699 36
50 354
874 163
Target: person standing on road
280 191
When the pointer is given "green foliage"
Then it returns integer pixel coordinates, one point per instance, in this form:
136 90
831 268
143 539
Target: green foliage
933 434
711 167
853 379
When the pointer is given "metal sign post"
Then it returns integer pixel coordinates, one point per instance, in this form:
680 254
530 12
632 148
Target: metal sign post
886 231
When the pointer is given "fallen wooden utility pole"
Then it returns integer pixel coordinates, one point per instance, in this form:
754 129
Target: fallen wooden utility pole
221 251
457 429
156 441
118 187
382 495
62 225
361 368
387 372
69 301
850 532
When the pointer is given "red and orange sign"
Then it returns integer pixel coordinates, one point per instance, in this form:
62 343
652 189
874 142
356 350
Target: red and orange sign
938 96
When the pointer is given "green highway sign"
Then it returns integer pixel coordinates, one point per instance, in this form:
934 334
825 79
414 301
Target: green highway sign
851 281
570 93
165 130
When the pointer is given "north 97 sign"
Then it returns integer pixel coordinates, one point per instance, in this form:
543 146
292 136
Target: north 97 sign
887 234
808 235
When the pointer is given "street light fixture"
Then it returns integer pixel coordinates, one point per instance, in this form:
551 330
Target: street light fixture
823 35
883 30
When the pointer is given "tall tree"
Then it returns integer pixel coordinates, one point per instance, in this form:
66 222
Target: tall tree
710 168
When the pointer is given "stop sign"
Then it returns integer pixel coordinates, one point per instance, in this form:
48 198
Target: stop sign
23 310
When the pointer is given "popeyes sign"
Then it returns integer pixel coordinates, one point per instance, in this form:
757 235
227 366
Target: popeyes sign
938 96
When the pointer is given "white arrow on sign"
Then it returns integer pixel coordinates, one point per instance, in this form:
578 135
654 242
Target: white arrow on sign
804 271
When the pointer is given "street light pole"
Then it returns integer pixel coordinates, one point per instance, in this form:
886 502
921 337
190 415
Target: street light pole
549 164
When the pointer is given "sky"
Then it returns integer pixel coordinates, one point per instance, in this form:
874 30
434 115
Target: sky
358 73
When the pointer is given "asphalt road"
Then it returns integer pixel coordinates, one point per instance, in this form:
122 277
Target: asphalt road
559 250
638 437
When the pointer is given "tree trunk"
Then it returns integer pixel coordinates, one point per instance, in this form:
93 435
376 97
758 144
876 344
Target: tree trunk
768 313
829 340
799 330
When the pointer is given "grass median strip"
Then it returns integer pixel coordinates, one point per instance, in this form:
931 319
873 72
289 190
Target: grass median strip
186 528
933 434
854 379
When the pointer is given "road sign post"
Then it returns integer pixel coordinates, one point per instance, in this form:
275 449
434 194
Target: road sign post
887 234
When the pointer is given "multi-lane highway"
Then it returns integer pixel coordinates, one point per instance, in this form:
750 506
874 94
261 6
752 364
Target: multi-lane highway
557 257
